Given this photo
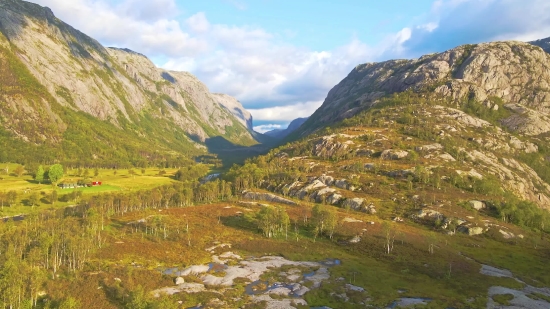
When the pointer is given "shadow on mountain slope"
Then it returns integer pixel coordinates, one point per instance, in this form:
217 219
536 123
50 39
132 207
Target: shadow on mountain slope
231 154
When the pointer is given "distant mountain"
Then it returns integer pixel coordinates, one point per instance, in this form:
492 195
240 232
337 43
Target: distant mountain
63 96
542 43
282 133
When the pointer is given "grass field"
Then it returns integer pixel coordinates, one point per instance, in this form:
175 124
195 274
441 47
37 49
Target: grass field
112 181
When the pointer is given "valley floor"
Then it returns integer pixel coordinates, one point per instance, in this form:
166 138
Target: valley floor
212 256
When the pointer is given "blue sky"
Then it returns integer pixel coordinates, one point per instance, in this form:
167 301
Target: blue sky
280 57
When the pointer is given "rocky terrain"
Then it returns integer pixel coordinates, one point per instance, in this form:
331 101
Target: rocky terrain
479 149
512 73
71 71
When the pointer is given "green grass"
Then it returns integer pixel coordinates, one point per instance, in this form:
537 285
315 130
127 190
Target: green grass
94 189
503 299
25 185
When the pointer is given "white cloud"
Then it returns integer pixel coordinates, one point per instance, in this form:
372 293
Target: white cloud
283 113
267 127
198 23
431 26
148 27
475 21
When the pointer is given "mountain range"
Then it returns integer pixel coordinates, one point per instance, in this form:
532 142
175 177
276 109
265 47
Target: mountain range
282 133
64 96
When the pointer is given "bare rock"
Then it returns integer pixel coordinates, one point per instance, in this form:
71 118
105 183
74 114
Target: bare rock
353 203
477 205
258 196
391 154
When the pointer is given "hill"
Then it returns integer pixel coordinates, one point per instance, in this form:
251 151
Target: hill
282 133
65 97
513 73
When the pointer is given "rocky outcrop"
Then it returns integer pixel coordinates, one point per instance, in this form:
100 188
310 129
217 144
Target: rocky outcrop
490 73
430 214
235 107
327 146
471 230
268 197
392 154
477 205
353 203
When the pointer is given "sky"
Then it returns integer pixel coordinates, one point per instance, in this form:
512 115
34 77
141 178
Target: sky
281 57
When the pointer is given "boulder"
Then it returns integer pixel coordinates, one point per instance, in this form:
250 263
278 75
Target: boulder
507 235
341 183
429 213
257 196
179 280
370 209
392 154
334 199
370 166
477 205
327 180
472 231
400 173
353 203
431 147
355 240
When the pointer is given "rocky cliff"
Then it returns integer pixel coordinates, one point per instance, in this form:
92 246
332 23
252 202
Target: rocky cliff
235 107
513 73
116 86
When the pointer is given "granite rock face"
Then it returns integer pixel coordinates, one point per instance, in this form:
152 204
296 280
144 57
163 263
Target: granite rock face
490 73
111 84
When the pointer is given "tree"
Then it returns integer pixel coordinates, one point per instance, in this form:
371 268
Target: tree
39 175
389 233
34 198
53 197
55 173
19 170
96 172
325 220
138 299
12 197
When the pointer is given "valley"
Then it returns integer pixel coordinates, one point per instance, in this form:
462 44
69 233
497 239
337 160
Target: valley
421 183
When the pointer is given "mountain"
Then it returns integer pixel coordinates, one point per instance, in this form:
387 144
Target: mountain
514 73
479 111
66 97
282 133
235 107
542 43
